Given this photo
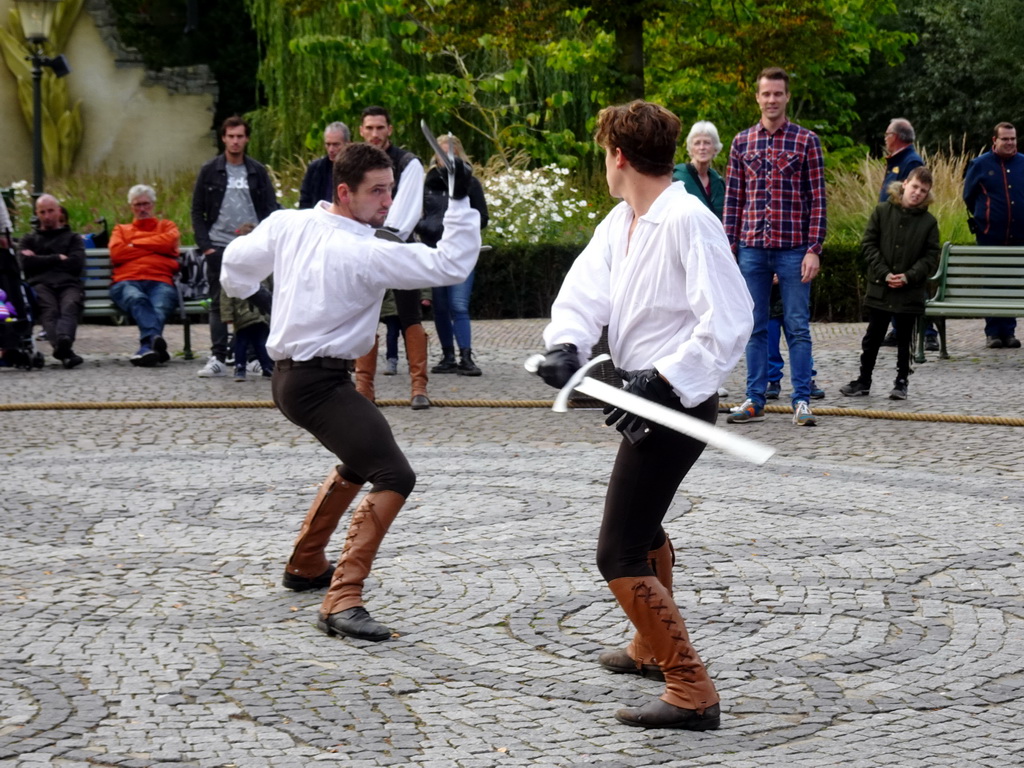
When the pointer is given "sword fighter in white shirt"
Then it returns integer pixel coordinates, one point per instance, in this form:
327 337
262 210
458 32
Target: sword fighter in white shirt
660 274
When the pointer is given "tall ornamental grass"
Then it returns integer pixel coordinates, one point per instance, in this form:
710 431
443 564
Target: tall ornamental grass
853 194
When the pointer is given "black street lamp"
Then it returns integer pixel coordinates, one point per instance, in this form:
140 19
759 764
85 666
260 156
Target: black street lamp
36 23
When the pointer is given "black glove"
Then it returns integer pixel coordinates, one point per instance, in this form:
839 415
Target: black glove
262 300
559 365
463 173
648 385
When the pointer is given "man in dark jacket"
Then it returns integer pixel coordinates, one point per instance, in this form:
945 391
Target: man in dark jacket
318 183
232 191
901 251
994 193
52 259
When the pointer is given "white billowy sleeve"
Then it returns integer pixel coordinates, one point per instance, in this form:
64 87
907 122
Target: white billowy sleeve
249 259
583 305
407 207
717 296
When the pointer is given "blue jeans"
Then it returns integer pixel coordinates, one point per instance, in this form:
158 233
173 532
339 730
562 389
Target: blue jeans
776 364
451 311
759 266
149 302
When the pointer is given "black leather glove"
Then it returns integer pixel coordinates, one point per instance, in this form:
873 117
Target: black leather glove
463 173
559 364
262 300
648 385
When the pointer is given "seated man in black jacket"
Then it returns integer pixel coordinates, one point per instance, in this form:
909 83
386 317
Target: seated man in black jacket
52 258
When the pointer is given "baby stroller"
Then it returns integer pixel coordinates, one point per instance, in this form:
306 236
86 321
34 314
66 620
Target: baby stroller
17 348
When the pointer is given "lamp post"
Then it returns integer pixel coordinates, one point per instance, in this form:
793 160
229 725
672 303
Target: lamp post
36 23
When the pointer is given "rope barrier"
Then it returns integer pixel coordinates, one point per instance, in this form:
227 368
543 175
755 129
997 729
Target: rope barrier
949 418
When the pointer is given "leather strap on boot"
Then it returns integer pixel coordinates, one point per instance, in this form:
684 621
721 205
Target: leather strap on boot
308 559
370 522
366 370
655 615
662 560
416 351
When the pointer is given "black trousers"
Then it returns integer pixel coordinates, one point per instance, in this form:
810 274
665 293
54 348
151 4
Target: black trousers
319 396
878 324
408 304
644 481
218 328
60 309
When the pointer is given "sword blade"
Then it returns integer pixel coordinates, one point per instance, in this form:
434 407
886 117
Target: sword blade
746 449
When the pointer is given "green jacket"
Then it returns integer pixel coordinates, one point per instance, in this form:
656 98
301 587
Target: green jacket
905 241
240 312
686 173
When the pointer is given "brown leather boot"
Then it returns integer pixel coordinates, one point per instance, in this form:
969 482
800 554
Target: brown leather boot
690 700
416 352
308 567
637 658
370 522
366 370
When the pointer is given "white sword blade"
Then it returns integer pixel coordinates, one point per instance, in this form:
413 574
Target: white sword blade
746 449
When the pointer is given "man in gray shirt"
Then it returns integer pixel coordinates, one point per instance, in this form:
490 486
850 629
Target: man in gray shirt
233 194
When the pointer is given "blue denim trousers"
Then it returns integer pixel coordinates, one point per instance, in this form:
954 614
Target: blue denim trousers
149 302
451 312
776 365
759 266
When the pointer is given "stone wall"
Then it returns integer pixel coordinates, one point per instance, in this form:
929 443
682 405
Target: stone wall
133 118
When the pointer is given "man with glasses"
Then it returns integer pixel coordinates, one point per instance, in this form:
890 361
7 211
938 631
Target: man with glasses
994 194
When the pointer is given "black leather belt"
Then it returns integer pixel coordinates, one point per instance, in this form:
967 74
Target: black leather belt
337 363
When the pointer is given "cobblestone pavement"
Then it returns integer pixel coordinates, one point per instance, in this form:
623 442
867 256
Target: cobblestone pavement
858 599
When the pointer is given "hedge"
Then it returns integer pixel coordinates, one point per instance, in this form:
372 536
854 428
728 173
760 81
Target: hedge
522 281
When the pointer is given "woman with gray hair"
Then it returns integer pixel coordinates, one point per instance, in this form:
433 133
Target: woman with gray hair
699 178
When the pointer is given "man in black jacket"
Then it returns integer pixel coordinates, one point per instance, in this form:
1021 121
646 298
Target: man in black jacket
52 259
233 192
318 183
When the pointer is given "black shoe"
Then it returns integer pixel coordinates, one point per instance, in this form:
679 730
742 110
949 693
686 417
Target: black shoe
773 390
890 339
856 388
899 390
621 663
931 343
72 360
419 402
62 348
660 714
466 365
1011 342
993 342
302 584
160 347
447 363
354 622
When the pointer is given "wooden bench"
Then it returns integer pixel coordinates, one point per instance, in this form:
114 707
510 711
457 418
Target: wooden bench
98 304
973 281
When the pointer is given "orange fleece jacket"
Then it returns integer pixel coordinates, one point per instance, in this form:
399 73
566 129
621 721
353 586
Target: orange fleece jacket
146 249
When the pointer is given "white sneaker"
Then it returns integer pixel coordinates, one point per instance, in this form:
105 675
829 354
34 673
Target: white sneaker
255 368
213 369
802 415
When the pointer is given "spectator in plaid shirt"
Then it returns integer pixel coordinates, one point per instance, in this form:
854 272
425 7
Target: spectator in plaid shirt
775 220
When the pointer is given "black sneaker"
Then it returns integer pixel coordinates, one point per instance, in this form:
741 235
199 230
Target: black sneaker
899 390
1011 342
856 388
890 339
773 390
931 343
160 347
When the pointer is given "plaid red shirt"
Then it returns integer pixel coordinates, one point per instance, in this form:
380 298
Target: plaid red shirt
775 189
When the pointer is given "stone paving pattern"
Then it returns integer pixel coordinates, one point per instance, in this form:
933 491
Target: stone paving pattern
859 599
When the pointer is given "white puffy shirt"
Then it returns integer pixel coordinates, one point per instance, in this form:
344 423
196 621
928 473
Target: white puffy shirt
672 296
330 275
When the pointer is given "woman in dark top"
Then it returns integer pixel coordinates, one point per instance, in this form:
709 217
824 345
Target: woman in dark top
699 178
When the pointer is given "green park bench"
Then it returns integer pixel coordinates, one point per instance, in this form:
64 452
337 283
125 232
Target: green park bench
973 281
98 304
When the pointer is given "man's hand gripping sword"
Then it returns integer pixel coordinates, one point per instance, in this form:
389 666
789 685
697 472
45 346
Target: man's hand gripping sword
653 412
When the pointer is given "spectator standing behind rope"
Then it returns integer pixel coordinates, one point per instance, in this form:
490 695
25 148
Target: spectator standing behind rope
451 302
699 178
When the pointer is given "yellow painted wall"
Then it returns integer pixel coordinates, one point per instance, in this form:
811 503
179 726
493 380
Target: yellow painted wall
127 123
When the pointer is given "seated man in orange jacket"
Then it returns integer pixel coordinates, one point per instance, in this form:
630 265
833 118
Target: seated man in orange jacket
144 257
